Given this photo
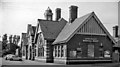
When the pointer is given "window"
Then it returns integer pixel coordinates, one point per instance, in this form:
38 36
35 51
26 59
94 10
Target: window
79 52
35 52
107 53
55 51
23 52
101 51
40 51
62 51
59 51
72 54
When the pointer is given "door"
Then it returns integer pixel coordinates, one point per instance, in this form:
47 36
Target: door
90 50
26 52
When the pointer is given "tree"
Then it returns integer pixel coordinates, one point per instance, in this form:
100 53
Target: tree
10 46
10 39
4 42
13 42
18 39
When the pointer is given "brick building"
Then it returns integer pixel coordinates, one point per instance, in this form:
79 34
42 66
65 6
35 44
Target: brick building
77 40
24 45
116 32
27 42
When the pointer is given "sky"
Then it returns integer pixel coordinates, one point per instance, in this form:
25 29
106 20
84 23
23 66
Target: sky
17 14
119 16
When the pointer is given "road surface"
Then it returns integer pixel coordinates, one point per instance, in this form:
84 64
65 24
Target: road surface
24 62
29 63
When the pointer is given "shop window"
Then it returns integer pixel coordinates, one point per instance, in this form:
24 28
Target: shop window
107 53
72 54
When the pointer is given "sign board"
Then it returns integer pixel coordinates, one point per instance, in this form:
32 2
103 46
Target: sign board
90 40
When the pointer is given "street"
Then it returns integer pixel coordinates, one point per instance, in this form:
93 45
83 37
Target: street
24 63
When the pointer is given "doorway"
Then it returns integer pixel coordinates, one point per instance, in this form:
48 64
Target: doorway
90 50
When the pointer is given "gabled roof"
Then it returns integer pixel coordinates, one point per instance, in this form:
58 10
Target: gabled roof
51 29
31 29
71 28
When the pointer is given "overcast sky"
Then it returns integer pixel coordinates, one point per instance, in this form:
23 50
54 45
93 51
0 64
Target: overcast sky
16 14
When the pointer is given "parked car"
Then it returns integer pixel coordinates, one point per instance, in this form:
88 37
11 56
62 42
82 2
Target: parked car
16 58
9 56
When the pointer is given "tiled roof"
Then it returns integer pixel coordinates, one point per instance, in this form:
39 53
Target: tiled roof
70 28
51 29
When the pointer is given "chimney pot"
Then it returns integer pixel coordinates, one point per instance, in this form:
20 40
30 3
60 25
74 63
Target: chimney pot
115 31
58 14
73 13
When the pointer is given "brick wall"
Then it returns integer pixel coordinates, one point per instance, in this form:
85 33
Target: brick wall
77 41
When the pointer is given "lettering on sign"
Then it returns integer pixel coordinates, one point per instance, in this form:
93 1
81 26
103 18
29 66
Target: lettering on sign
90 40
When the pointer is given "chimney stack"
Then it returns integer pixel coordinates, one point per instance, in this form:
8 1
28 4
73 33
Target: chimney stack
58 14
115 31
73 13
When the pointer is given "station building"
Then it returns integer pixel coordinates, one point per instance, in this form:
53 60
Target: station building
81 39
